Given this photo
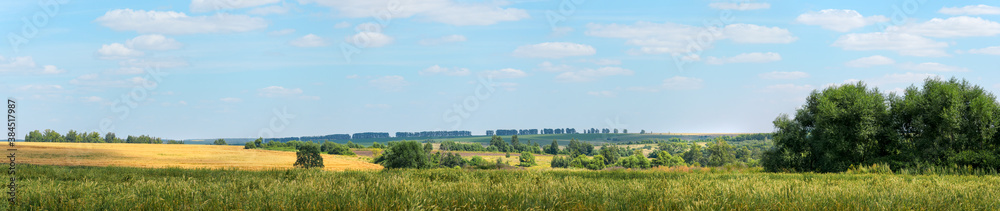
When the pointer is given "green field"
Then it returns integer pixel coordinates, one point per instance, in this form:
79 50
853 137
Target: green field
563 139
125 188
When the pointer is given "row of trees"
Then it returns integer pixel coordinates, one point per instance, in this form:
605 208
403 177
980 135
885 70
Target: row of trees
497 144
944 123
93 137
432 134
455 146
368 135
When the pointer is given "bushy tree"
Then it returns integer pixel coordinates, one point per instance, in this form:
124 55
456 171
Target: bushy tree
610 153
694 154
451 160
219 142
405 154
553 148
665 159
560 162
720 153
308 157
527 159
258 142
249 145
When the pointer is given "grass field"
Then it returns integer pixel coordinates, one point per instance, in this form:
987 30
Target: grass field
172 155
129 188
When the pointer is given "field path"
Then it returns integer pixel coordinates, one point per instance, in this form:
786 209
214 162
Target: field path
172 155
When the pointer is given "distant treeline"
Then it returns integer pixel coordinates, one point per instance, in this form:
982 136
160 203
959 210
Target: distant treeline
433 134
93 137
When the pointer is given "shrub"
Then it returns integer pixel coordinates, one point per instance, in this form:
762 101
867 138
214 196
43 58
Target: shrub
560 162
527 159
249 145
219 142
406 154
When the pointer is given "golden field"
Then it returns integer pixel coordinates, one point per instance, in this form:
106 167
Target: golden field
172 155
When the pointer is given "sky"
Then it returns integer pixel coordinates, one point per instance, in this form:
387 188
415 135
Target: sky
273 68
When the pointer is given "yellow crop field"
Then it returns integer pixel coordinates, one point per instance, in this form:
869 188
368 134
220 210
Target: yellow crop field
172 155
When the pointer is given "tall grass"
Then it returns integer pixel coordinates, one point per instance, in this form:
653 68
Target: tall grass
126 188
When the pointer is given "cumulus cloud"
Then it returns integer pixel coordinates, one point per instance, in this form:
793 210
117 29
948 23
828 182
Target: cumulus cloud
932 67
904 44
170 22
117 51
993 50
308 41
443 11
660 38
274 9
26 64
505 73
739 6
370 39
438 70
745 58
870 61
554 50
839 20
588 75
443 40
961 26
981 9
784 75
392 83
212 5
153 42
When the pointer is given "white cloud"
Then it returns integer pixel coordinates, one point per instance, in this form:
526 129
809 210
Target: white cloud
51 69
739 6
682 83
308 41
171 22
443 40
277 91
909 78
342 24
369 39
212 5
904 44
153 42
438 70
549 67
789 88
749 33
602 93
784 75
117 51
932 67
657 38
281 32
443 11
230 100
981 9
554 50
39 88
839 20
561 31
505 73
993 50
274 9
392 83
870 61
154 63
755 57
592 74
961 26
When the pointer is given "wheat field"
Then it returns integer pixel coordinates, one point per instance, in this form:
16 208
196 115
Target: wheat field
173 155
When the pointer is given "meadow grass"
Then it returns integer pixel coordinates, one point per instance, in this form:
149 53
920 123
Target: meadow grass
43 187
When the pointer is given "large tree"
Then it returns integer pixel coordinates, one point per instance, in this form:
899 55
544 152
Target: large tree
308 157
720 153
406 154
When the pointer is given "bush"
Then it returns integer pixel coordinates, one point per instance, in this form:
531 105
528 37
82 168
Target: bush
406 154
308 157
560 162
249 145
452 160
339 149
219 142
527 159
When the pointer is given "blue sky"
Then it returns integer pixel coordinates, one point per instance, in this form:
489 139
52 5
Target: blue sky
229 68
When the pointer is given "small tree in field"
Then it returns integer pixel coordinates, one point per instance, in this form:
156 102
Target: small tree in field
308 157
406 154
249 145
527 159
219 142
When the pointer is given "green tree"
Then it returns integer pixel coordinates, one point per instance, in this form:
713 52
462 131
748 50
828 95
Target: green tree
610 153
308 157
527 159
428 147
219 142
72 136
694 154
34 136
665 159
52 136
720 153
249 145
553 148
257 143
515 144
110 138
405 154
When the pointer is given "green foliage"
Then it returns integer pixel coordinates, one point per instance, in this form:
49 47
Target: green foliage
560 162
258 143
219 142
527 159
720 153
665 159
635 161
553 148
376 145
308 157
694 154
335 148
174 142
428 147
944 123
451 160
610 154
249 145
405 154
576 147
455 146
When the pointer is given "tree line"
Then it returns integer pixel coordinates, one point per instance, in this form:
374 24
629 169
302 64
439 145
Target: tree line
73 136
943 123
433 134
